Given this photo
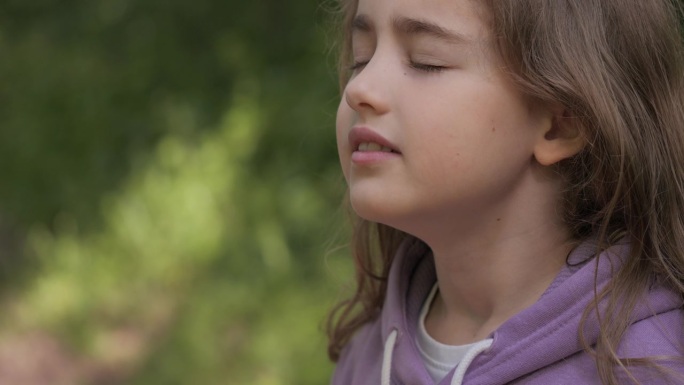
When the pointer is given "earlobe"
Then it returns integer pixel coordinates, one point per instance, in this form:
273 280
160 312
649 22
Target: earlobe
561 140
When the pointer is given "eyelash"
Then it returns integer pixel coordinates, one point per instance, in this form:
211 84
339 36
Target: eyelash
357 65
426 67
416 66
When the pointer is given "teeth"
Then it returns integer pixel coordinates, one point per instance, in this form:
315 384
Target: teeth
371 146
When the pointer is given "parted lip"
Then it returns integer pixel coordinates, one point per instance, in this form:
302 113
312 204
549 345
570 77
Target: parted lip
358 135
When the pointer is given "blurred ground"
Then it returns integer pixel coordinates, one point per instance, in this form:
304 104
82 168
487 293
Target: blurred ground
38 359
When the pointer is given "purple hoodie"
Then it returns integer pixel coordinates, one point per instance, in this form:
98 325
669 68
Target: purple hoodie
539 345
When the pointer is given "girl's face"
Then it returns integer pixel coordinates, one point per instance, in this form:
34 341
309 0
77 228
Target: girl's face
429 129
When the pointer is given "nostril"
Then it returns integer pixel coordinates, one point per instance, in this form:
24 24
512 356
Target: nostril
347 99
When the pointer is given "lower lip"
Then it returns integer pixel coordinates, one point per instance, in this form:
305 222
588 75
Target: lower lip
371 157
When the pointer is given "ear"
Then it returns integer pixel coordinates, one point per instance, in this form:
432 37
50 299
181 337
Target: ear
561 139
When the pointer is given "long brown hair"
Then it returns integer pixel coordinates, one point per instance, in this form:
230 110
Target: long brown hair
617 68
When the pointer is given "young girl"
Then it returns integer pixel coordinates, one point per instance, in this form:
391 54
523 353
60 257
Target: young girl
518 170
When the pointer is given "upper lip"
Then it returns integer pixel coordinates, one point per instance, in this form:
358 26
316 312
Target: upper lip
358 135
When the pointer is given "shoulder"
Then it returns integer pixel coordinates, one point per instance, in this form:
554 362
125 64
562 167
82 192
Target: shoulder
656 335
659 338
361 358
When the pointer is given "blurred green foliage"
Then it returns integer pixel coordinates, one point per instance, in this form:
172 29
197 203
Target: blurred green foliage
170 186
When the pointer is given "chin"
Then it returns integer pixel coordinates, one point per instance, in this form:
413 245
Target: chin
374 210
368 211
378 210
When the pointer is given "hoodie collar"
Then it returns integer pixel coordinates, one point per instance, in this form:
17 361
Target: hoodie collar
521 344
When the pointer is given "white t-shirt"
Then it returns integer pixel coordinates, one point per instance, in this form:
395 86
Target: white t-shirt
438 358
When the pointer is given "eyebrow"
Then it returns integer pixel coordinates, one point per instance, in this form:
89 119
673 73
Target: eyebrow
408 26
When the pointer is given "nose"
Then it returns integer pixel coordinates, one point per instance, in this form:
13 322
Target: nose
368 91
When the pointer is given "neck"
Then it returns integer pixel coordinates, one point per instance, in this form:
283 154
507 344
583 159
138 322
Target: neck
481 289
500 263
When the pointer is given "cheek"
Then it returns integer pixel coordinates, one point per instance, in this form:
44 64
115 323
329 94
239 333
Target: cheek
344 122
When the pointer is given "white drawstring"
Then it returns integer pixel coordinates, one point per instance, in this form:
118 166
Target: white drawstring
460 372
476 349
387 358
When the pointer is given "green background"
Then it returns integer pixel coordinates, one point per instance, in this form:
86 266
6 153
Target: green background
170 195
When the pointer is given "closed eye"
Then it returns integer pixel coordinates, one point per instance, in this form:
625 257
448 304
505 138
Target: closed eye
426 67
357 65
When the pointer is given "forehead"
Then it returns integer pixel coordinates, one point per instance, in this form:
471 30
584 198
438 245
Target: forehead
464 17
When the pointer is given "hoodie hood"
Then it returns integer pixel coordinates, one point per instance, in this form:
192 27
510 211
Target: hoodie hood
539 341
